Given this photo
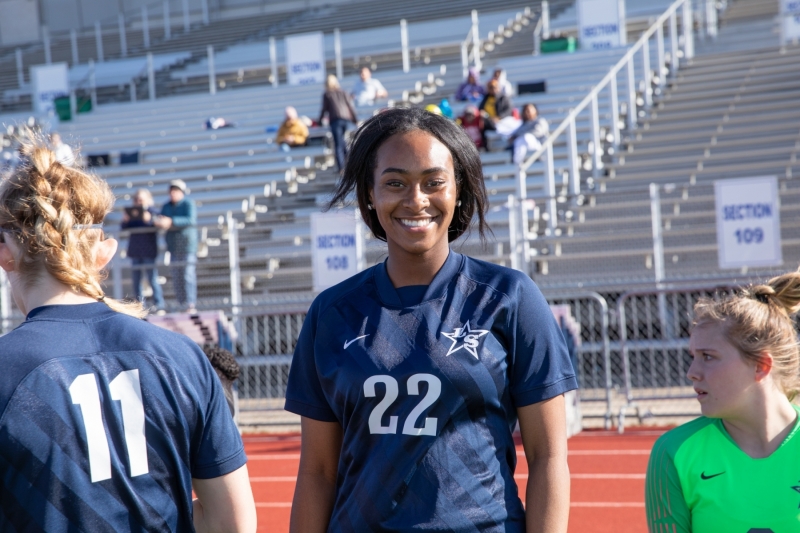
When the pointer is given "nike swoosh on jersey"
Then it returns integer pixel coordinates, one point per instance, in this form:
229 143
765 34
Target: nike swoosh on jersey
348 343
704 476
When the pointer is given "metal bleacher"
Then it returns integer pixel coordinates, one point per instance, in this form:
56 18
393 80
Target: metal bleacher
728 114
356 16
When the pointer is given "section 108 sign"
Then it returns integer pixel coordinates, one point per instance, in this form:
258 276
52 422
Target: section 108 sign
336 247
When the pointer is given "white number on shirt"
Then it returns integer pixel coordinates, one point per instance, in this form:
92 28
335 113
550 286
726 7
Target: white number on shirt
126 389
434 391
377 413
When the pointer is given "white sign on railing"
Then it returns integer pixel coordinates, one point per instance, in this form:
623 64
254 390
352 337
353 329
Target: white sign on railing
748 222
337 250
48 82
305 58
790 11
601 24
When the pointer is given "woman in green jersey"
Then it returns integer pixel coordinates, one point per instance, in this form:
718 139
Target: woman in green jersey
736 469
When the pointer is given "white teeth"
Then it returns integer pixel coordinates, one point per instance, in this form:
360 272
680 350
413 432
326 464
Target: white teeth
416 223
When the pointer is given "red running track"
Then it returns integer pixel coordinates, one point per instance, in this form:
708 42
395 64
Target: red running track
607 472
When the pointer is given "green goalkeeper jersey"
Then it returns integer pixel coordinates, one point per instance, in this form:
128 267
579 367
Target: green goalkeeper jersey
700 481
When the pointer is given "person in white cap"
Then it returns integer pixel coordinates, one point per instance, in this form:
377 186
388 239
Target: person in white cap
179 218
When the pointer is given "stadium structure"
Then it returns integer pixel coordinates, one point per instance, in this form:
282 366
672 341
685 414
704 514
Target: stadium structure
614 218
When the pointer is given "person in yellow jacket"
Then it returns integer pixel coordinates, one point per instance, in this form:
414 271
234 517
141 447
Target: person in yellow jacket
293 132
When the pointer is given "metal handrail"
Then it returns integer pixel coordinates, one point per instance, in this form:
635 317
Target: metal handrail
473 36
610 80
537 36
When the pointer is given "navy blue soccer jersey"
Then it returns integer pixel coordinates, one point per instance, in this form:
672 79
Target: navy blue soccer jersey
427 394
104 421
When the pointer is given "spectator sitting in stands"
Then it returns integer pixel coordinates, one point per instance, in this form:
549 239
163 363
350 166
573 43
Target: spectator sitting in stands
62 150
470 90
293 132
530 135
366 91
494 106
473 124
506 89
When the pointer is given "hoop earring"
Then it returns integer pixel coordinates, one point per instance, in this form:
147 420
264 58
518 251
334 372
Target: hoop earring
370 207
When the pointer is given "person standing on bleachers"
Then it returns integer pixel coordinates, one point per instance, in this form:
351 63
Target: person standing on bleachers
179 218
143 245
292 132
368 89
341 113
530 135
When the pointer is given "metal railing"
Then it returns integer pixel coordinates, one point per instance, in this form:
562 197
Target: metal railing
567 130
654 328
473 55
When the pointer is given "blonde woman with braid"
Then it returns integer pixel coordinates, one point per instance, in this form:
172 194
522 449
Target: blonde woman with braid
107 423
737 468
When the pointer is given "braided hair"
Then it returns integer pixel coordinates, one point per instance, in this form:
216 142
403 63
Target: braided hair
53 211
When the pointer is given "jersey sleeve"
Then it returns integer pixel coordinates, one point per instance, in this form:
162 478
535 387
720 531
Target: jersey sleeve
304 394
541 365
665 505
220 449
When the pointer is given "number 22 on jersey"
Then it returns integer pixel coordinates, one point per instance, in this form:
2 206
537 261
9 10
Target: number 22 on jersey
126 389
392 392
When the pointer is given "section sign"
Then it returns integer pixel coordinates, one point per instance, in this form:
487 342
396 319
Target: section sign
337 250
748 222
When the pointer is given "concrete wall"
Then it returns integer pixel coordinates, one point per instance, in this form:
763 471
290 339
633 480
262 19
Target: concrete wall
19 21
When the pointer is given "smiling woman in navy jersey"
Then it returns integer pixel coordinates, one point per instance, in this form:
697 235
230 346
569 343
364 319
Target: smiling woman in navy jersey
107 423
410 376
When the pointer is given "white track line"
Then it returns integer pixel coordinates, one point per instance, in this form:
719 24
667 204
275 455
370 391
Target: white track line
520 453
572 504
289 438
606 504
608 452
274 504
592 476
292 479
272 456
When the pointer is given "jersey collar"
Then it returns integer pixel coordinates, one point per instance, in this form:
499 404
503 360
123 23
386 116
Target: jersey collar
437 288
72 313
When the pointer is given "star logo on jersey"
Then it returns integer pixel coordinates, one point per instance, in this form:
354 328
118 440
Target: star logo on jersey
466 338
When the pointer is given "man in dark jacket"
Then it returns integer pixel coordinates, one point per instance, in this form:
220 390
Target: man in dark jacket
143 245
179 218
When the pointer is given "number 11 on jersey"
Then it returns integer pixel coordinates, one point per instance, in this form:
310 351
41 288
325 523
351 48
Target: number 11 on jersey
126 389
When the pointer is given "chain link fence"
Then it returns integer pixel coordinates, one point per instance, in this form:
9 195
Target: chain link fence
654 329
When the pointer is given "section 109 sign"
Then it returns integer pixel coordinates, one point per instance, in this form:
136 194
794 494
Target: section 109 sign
337 250
748 222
